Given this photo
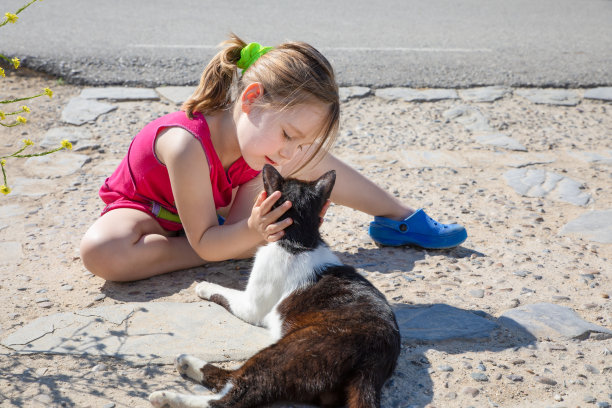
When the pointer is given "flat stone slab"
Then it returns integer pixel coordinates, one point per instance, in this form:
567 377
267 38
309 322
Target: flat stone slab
156 332
550 321
11 252
416 95
603 93
461 159
550 96
176 94
441 322
152 332
80 110
30 187
502 141
350 92
484 94
120 94
470 117
519 160
593 225
7 212
432 158
105 167
56 164
79 138
542 183
600 157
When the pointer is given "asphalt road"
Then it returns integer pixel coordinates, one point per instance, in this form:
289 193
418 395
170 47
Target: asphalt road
420 43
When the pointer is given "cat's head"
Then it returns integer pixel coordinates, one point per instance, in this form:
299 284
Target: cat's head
307 199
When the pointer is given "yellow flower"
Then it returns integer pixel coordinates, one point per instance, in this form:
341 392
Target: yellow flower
66 144
21 119
2 74
3 162
15 62
4 189
2 115
49 92
28 142
12 18
25 109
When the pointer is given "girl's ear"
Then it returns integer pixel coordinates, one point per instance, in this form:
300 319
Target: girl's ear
272 179
250 95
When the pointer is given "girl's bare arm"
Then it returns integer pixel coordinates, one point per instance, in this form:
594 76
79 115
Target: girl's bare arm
189 174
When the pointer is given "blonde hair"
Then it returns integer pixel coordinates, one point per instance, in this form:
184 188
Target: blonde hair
291 74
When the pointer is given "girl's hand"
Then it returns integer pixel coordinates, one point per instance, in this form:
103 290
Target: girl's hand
262 220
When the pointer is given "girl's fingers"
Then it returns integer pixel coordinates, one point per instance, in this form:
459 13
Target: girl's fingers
276 231
279 226
275 237
260 198
278 211
267 204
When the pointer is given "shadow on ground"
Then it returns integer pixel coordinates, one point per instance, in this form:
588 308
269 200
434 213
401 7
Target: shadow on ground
120 381
235 273
393 259
412 385
107 380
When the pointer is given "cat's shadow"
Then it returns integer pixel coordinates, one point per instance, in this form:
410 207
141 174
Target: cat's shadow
412 385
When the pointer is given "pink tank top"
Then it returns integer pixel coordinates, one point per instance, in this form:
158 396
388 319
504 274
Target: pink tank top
142 178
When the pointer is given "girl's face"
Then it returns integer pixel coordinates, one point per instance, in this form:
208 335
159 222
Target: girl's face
268 136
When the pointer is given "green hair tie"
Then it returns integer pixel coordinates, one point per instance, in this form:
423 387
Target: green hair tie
250 53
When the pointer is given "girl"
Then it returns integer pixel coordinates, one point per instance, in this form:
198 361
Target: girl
181 168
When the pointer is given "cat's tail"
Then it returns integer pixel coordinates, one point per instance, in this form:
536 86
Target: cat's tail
363 392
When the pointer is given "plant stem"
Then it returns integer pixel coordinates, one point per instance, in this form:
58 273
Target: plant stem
23 99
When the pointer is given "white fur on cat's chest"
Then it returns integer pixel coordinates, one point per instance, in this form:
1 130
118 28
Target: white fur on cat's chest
277 273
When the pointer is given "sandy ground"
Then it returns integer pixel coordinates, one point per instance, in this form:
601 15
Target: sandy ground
507 233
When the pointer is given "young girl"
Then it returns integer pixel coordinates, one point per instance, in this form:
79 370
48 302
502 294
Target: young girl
283 109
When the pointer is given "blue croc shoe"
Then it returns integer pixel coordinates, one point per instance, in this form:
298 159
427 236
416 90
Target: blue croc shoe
418 229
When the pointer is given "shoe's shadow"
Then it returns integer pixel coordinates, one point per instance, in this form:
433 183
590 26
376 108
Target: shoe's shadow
386 259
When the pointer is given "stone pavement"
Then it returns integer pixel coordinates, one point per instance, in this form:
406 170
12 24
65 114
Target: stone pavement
528 174
86 108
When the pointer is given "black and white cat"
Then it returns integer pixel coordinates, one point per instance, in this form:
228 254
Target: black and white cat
338 340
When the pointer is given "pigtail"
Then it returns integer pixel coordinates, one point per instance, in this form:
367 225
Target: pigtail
215 89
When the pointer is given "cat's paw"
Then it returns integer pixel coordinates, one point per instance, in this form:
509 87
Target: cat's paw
189 366
160 399
206 289
181 363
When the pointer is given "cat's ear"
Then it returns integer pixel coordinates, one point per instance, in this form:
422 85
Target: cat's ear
325 184
272 179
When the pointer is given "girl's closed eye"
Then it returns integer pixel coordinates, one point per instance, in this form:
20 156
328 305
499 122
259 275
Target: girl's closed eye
289 138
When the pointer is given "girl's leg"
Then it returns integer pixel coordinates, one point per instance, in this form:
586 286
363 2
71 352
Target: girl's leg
354 190
126 245
394 223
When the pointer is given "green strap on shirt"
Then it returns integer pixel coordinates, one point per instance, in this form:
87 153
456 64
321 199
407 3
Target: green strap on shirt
161 212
